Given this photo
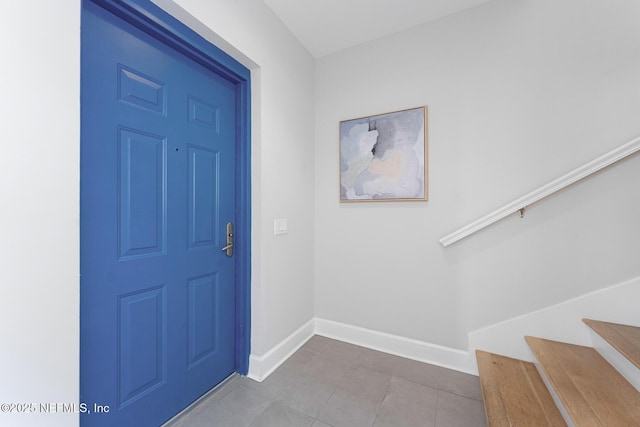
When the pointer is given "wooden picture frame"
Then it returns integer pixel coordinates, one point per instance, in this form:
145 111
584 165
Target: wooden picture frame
384 157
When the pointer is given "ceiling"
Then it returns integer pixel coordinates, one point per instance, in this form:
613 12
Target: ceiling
328 26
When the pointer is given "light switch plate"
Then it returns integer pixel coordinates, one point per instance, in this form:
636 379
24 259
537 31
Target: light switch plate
280 226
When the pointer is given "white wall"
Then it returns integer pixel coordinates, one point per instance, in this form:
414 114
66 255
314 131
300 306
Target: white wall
519 93
39 208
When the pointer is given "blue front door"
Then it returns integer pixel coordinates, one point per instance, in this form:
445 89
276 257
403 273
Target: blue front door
158 188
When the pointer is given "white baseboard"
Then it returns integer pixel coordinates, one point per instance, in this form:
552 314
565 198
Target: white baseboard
400 346
260 367
561 322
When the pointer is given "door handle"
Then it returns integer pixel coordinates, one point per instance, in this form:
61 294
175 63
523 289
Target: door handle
229 247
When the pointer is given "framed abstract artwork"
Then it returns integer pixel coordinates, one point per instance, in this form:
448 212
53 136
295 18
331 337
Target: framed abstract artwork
384 157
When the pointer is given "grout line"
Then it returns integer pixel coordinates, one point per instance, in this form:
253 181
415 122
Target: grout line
435 415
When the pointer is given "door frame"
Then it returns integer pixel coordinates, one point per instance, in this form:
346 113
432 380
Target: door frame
154 21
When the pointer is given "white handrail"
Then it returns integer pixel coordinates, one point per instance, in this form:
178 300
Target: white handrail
546 190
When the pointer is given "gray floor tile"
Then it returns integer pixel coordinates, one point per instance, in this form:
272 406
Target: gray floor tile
348 411
365 384
209 400
224 389
418 372
316 344
278 415
356 399
325 370
460 383
272 386
340 350
306 397
457 411
379 361
328 383
237 409
408 405
296 365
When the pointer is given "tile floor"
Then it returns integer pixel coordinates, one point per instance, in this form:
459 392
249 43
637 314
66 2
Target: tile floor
330 383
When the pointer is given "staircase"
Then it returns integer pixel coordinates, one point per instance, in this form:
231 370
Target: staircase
569 384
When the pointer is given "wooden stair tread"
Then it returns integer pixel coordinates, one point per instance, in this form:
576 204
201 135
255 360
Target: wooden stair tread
514 393
624 338
592 392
